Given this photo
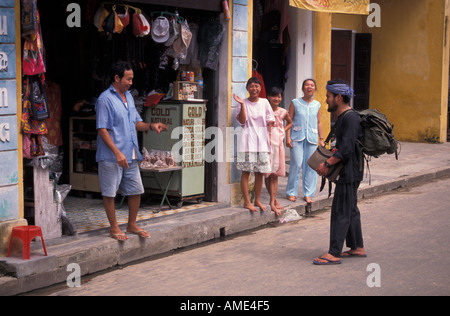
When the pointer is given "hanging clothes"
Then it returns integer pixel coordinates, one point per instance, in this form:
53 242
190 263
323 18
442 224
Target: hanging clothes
280 6
53 91
210 36
256 74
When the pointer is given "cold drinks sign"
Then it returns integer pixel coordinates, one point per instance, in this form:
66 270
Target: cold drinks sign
9 174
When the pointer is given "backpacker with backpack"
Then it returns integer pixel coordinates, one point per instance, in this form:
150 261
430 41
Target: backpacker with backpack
379 139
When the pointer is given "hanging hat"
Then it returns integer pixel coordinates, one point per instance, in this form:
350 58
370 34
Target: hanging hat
174 32
160 29
181 45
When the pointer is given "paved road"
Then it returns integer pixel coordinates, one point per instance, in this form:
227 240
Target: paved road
406 235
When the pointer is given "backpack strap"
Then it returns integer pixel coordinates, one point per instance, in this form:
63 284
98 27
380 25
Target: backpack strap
330 135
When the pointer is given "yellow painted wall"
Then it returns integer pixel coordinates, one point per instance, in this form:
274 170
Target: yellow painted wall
349 22
322 63
409 72
408 66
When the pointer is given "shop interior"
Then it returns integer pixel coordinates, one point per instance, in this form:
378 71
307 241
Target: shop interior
77 62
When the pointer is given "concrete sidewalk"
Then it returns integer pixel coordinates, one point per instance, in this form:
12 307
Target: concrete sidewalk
95 252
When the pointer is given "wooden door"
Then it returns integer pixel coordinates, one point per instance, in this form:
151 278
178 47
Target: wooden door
341 58
341 55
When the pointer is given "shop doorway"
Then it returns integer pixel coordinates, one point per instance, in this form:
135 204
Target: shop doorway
77 61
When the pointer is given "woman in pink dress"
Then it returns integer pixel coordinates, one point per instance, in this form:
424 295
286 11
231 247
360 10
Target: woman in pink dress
278 154
255 116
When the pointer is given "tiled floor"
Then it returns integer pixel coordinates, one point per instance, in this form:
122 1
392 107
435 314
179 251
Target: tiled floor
89 214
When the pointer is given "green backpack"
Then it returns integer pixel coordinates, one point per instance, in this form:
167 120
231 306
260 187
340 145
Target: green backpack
378 134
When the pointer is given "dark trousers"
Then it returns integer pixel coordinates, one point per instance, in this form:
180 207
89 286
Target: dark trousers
345 219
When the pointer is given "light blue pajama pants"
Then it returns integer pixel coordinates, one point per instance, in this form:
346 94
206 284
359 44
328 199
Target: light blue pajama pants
300 154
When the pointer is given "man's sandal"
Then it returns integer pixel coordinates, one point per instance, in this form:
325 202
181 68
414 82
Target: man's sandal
141 233
119 237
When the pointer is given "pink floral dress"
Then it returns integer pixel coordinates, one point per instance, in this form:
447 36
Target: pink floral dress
277 135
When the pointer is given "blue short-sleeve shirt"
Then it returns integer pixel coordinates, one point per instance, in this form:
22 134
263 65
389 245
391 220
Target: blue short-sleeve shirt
305 121
120 121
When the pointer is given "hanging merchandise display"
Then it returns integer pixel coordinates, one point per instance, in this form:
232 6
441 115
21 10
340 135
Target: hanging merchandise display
109 21
177 45
35 108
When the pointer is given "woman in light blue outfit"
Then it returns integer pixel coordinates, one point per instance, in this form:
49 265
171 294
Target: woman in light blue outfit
303 139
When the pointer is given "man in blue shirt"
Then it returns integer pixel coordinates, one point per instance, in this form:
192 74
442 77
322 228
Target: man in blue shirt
117 148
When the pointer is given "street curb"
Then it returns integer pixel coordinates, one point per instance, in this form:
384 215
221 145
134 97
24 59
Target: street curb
96 253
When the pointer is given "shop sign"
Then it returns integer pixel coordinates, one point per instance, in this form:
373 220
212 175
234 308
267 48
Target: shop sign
7 4
8 133
7 26
193 135
9 203
9 169
333 6
7 61
8 97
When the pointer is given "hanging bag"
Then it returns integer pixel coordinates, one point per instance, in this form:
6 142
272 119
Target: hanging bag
320 156
39 106
33 56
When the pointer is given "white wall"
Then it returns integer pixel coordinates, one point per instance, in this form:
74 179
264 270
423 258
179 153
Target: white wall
302 52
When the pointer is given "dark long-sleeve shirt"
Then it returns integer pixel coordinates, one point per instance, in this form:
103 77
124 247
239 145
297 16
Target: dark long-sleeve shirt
348 131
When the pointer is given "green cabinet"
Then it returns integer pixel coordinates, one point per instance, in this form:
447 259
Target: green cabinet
186 140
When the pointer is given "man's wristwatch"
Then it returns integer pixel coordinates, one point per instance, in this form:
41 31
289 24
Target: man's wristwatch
327 164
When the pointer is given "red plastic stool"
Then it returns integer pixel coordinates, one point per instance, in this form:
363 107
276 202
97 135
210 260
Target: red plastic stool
26 234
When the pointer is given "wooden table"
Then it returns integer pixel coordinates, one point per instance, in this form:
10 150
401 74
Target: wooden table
152 173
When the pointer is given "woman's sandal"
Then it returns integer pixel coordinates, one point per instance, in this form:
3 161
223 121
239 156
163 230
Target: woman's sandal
291 198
